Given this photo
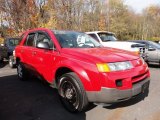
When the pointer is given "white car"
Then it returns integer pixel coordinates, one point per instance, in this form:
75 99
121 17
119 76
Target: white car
108 39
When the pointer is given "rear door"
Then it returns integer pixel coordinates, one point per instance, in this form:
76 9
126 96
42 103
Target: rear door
26 50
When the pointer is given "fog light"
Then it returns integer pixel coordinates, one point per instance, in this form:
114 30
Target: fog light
119 83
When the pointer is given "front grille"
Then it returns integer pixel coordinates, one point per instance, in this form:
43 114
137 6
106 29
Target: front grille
140 77
139 81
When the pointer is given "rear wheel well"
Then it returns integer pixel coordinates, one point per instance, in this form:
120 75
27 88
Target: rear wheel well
60 72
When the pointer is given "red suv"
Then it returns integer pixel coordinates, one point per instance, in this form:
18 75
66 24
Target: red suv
82 70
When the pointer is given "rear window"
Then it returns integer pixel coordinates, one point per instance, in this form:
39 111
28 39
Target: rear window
14 42
107 37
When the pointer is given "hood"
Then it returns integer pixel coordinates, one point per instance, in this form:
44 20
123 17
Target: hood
99 54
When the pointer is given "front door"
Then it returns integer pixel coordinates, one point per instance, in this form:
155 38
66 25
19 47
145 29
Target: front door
45 59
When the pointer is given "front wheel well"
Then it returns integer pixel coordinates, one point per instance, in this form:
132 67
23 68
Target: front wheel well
60 72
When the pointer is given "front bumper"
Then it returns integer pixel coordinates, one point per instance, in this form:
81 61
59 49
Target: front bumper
112 95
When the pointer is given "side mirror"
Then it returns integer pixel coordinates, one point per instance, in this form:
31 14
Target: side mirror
43 45
151 49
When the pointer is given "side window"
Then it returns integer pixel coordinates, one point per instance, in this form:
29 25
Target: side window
94 36
30 40
146 45
44 38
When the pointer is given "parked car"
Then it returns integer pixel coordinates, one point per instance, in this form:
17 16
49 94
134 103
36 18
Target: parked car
10 44
81 68
108 39
152 50
129 46
3 52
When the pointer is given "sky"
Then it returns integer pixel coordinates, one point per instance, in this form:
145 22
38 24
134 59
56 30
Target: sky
139 5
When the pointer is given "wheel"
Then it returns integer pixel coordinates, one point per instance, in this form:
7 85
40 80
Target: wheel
72 94
11 63
22 72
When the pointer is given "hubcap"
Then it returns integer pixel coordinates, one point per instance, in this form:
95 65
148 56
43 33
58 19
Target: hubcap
19 69
69 93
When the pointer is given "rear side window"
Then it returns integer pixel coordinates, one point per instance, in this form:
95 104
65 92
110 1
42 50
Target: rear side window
30 40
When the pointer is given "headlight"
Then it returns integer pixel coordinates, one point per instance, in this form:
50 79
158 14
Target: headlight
117 66
120 66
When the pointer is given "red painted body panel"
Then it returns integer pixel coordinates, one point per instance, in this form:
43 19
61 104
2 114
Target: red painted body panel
82 61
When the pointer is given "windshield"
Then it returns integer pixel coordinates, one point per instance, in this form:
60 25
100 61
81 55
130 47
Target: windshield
107 37
71 39
154 45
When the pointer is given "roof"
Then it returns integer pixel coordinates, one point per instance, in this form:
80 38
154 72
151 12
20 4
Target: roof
100 32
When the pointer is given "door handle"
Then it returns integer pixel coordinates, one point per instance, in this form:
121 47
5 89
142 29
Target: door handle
34 53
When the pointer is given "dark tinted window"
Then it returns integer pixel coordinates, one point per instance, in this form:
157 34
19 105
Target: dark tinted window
142 42
13 42
30 40
44 38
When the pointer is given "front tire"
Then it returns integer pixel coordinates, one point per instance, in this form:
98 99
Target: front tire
22 72
72 93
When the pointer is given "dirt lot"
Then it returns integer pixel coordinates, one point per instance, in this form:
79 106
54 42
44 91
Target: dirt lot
35 100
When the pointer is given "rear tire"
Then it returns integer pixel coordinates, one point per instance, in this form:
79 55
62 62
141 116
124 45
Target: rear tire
72 93
22 72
